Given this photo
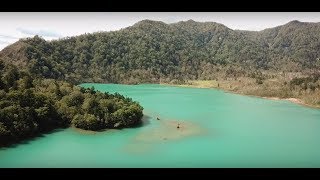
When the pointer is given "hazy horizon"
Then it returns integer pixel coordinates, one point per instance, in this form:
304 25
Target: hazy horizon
51 25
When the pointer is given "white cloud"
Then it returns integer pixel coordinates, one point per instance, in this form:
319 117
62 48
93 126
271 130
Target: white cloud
7 37
41 32
4 42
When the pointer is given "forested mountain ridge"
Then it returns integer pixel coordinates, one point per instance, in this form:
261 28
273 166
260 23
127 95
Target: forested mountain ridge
153 51
298 42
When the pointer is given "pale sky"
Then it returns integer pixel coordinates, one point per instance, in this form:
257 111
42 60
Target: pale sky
51 25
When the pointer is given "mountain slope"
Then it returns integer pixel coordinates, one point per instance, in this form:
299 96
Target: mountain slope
153 51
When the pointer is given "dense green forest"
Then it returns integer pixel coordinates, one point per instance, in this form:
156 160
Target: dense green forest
152 51
30 106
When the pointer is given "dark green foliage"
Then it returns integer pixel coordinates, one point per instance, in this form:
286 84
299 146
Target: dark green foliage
36 106
25 113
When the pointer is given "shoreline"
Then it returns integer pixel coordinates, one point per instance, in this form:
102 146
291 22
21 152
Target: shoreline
291 99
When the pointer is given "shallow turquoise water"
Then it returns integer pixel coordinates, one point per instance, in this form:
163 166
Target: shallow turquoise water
241 132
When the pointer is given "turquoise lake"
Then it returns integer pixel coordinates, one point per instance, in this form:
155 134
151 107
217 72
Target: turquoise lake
238 131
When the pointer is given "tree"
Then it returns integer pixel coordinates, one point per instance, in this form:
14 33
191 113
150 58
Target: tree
75 99
57 90
2 65
11 76
27 81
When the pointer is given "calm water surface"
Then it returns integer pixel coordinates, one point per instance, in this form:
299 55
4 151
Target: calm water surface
240 131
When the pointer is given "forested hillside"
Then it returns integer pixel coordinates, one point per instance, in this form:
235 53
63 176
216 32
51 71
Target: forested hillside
152 51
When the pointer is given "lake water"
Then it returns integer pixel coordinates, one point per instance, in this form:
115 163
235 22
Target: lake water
231 131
